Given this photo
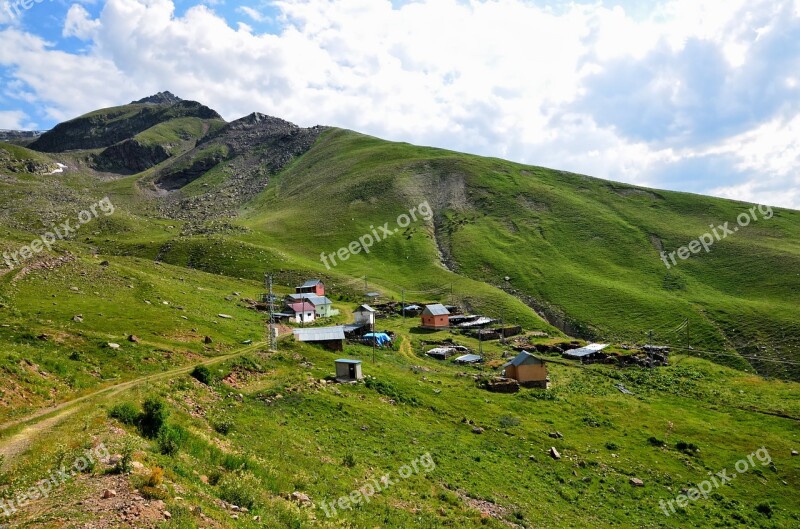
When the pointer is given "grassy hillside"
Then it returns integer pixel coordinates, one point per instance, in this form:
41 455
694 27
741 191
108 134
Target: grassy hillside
583 251
190 239
267 428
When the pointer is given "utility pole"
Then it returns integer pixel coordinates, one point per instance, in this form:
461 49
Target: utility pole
687 336
366 287
404 303
272 339
374 338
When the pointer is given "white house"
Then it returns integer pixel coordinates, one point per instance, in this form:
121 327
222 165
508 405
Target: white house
365 315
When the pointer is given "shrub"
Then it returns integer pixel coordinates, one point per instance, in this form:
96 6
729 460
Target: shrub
765 509
656 442
153 493
202 374
171 439
612 446
240 488
124 412
123 466
154 416
349 461
156 477
687 448
223 426
507 421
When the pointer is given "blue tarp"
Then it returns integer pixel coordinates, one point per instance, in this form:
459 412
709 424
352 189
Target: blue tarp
380 338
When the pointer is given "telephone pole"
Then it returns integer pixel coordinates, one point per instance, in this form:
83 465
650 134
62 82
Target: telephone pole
272 339
687 336
404 303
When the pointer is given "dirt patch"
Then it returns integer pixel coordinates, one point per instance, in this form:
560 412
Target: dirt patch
47 263
488 509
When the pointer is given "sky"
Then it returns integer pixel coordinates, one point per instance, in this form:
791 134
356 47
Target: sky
688 95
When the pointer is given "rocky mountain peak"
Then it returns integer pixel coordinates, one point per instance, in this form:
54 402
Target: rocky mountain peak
161 98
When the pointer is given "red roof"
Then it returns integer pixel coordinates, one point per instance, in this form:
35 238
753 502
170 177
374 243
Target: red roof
301 307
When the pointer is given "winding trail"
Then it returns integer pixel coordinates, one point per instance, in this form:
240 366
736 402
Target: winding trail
47 418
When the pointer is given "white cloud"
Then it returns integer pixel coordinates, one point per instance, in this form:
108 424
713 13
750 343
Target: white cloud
506 78
79 23
13 120
254 14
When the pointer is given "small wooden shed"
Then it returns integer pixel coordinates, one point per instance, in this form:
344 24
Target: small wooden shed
528 370
348 370
435 316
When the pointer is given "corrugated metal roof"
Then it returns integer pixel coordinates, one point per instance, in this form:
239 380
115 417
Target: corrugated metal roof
311 283
311 298
523 358
585 351
469 359
437 309
320 334
365 308
301 307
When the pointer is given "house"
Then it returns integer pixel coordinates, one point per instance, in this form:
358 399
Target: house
348 370
365 315
322 305
590 353
329 337
528 370
312 286
435 316
301 312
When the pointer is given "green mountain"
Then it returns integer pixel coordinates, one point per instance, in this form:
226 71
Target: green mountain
177 215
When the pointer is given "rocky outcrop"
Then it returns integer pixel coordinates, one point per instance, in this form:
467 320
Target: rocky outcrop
105 128
249 150
131 155
161 98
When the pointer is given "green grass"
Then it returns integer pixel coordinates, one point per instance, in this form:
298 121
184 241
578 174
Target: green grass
581 251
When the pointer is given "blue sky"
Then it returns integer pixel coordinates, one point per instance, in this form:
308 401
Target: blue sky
697 95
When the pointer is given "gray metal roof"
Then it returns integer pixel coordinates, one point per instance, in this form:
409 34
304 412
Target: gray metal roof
524 358
437 309
365 308
586 351
347 361
311 298
320 334
469 359
311 283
